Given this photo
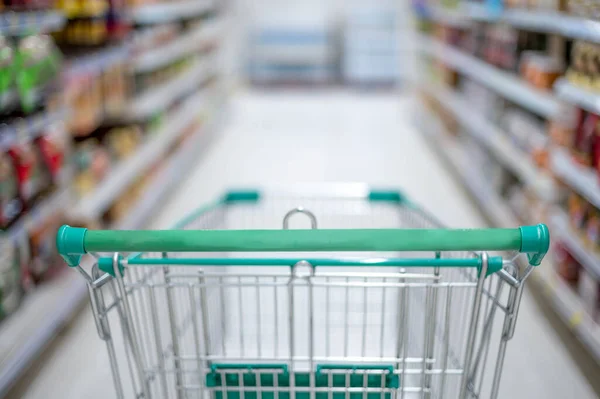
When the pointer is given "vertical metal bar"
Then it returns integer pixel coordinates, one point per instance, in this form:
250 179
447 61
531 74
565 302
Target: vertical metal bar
276 312
347 383
329 385
258 328
100 315
484 347
404 334
158 342
514 296
446 345
327 320
205 327
135 350
125 330
173 326
365 384
224 385
346 310
382 321
311 344
363 349
259 394
276 385
194 315
473 326
242 385
222 315
241 315
291 337
431 318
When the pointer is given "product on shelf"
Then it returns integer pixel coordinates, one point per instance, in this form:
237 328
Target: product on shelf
589 291
566 265
54 147
7 65
44 259
585 135
578 209
122 142
584 70
92 22
153 37
92 163
11 203
95 96
528 133
32 177
38 63
540 69
11 290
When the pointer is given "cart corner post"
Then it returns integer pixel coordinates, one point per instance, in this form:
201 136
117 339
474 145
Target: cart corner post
535 241
70 243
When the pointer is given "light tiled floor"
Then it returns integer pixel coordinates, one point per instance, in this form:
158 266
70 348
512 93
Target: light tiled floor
283 138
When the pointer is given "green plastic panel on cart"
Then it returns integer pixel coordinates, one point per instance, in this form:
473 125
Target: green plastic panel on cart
249 376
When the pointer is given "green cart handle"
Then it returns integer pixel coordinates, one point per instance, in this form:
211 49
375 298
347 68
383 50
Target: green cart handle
73 242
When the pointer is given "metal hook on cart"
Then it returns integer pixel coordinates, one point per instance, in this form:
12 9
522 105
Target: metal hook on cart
300 209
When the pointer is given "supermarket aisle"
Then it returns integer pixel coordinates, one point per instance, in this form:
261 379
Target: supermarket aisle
337 136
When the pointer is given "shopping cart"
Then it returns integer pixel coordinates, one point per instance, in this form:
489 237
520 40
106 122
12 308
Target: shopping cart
335 312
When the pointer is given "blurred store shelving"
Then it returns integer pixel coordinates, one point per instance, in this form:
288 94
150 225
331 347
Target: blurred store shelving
102 104
509 96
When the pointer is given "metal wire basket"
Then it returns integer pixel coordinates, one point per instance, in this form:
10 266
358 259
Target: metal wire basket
365 297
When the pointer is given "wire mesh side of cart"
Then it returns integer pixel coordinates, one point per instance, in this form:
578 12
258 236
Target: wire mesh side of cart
234 331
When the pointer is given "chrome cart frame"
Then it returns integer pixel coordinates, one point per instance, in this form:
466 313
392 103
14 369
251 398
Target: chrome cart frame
315 310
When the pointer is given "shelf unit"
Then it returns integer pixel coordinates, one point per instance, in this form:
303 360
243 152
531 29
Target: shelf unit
536 21
177 48
47 309
26 23
124 174
494 207
170 175
162 96
495 141
572 240
578 96
28 128
547 104
582 179
569 307
170 11
509 86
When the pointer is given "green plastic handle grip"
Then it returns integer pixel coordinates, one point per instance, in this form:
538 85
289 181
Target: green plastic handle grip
73 242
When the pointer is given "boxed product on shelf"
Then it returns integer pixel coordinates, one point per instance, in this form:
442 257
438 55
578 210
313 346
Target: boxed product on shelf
11 202
584 68
501 46
28 66
528 133
147 80
589 291
32 177
95 95
93 22
487 102
55 150
11 289
38 63
567 267
150 38
44 260
540 69
92 163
